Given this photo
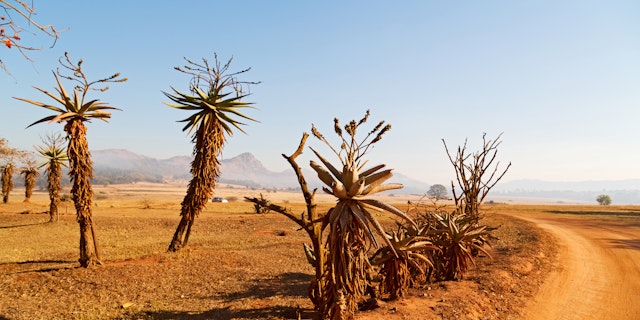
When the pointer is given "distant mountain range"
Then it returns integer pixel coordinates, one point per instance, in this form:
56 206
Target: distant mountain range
122 166
621 191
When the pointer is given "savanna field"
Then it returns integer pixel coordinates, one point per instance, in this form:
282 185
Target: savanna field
238 264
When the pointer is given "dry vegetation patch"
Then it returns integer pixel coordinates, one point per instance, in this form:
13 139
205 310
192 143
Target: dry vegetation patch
239 265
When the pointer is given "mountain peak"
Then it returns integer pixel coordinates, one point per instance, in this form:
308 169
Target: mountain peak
244 161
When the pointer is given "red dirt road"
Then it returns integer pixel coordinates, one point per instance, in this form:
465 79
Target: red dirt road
597 275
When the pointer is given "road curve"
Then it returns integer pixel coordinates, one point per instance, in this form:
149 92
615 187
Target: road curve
597 275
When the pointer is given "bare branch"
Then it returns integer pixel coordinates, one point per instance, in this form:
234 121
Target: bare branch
471 174
13 13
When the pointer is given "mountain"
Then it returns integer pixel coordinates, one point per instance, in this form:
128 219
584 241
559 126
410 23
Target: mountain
114 166
123 166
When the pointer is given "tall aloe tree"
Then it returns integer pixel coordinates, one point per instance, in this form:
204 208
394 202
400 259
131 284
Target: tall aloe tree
215 97
55 157
351 222
30 174
75 111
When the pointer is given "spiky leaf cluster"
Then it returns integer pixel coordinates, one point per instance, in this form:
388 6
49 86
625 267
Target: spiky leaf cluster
412 258
459 238
215 96
52 153
353 184
74 106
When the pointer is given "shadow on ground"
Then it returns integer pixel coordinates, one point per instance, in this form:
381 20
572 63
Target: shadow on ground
278 312
286 284
23 225
38 266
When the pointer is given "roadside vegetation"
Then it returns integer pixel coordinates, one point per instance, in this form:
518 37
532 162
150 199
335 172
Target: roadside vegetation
243 266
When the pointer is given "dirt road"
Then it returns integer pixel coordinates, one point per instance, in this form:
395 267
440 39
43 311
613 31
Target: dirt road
598 270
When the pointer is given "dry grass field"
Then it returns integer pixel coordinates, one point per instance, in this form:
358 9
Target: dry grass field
238 264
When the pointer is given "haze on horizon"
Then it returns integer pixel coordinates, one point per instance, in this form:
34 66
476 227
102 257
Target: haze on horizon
560 80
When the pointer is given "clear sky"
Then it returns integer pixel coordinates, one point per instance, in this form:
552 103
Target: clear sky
561 79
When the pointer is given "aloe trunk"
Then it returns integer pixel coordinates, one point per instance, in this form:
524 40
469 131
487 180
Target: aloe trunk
81 172
205 171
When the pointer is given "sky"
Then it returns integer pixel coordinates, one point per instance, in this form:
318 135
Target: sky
559 79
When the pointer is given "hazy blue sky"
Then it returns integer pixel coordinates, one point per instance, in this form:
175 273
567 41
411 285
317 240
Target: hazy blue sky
561 79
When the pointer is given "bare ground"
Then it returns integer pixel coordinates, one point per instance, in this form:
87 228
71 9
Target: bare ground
238 265
598 267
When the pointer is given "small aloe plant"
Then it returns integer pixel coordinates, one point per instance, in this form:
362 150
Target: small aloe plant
412 259
460 238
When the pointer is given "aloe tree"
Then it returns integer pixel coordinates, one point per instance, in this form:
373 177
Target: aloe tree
351 222
215 96
7 181
30 174
8 156
55 157
75 110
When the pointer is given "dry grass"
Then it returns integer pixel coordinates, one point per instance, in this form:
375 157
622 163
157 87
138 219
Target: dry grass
238 265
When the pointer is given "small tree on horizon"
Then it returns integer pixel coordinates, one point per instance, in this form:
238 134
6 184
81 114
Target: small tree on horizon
437 191
604 199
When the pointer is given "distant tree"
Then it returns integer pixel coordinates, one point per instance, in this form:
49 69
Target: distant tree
7 181
604 200
216 98
437 191
75 110
8 158
14 14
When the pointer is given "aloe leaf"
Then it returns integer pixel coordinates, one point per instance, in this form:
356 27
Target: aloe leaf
389 208
372 170
329 166
323 174
378 227
360 217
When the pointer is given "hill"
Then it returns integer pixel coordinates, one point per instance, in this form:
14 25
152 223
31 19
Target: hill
113 166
